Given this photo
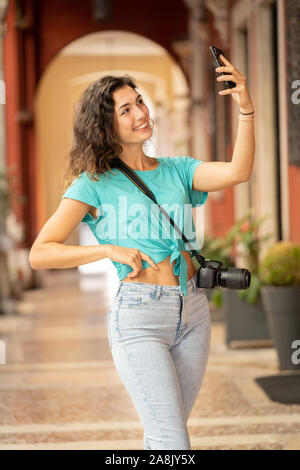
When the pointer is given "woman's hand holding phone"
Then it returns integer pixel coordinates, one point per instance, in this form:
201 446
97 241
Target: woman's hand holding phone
240 92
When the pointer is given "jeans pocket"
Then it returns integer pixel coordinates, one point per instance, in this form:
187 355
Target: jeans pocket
129 300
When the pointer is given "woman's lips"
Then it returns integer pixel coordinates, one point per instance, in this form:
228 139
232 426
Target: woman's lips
141 128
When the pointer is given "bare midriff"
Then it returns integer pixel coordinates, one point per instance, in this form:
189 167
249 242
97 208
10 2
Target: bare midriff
164 276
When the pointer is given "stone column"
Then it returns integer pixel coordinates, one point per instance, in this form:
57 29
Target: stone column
198 72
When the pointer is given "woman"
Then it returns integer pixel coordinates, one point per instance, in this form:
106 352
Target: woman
159 321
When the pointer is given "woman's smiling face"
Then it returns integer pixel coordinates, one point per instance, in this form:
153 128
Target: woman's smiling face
131 116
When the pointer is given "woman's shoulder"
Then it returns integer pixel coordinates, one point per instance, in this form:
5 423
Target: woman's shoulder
91 178
168 160
84 181
176 160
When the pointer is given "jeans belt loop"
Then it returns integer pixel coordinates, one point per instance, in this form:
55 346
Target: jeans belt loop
119 288
158 292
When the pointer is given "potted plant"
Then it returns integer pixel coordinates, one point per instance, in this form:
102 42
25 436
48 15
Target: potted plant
11 232
4 247
245 318
280 276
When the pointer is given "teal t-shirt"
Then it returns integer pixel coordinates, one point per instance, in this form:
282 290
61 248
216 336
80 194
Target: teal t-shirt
129 218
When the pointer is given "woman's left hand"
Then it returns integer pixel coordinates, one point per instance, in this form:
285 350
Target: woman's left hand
240 92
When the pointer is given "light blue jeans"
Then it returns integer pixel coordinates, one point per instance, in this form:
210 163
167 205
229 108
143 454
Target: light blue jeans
160 342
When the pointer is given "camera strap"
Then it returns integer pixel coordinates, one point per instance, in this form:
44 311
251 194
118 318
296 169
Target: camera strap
118 163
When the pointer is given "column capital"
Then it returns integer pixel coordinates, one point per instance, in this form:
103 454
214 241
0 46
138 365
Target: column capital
183 49
192 3
220 10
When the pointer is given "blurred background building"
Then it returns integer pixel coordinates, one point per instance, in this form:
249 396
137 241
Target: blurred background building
51 50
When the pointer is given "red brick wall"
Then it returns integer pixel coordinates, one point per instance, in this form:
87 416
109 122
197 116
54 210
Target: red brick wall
294 195
63 21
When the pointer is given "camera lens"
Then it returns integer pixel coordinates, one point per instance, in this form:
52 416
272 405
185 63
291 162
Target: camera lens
234 278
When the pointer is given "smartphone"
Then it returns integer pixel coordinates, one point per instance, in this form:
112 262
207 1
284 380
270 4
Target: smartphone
216 55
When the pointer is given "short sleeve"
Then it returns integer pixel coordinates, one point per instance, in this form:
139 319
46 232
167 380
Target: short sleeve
83 189
197 198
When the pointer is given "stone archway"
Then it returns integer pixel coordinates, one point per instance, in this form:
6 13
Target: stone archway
81 62
73 69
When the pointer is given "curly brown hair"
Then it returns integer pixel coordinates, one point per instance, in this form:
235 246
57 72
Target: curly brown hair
95 142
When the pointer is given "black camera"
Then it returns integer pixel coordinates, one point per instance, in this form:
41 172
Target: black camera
213 275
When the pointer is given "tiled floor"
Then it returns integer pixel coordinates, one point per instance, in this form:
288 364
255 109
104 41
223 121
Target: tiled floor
59 388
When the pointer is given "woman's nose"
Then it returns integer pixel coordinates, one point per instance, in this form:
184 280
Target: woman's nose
139 112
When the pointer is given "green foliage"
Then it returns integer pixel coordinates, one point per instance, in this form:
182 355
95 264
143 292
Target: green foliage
219 249
281 264
251 294
217 297
244 235
4 195
8 190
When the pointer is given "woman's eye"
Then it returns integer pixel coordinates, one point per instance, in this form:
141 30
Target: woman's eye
140 101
